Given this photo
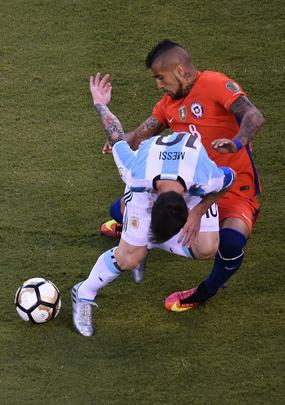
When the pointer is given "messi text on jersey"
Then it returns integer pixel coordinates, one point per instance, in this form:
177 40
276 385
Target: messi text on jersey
171 155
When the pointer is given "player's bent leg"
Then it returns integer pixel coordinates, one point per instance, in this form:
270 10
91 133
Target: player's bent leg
181 301
129 256
227 262
228 259
207 245
208 239
83 294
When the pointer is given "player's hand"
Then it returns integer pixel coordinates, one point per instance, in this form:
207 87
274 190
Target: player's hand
190 231
107 148
224 145
100 89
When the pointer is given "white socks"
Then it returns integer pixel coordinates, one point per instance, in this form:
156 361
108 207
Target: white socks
103 272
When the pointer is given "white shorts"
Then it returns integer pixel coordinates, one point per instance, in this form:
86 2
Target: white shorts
137 218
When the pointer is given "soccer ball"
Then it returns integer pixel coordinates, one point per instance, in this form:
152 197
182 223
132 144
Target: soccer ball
37 300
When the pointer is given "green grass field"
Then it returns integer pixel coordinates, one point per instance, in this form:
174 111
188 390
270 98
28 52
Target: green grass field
56 188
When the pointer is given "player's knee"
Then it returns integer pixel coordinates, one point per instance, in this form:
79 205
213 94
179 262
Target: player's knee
128 263
206 252
127 260
207 246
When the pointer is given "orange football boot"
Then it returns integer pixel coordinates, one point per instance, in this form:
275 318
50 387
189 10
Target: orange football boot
112 229
177 301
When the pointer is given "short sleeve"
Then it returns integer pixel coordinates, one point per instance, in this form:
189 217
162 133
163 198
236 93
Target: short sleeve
225 90
124 158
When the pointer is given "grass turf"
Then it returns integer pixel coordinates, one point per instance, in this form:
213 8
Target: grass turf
57 186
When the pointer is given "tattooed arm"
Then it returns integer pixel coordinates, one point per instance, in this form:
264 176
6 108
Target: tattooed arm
251 120
113 127
150 127
101 91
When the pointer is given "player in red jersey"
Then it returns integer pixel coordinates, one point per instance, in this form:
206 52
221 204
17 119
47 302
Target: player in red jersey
216 108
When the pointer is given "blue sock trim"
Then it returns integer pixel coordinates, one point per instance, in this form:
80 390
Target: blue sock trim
110 262
115 211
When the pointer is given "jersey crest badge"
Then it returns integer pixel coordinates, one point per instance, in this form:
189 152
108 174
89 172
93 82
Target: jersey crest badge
197 110
183 113
233 86
134 222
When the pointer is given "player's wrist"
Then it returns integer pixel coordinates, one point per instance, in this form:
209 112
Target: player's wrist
238 144
99 107
200 209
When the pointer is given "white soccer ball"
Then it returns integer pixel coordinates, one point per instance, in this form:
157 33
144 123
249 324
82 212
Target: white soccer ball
37 300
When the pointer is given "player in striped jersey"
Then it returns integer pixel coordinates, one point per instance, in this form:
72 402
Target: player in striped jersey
178 157
227 120
172 183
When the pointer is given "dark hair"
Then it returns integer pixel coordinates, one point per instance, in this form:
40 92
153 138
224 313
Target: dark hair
169 214
158 50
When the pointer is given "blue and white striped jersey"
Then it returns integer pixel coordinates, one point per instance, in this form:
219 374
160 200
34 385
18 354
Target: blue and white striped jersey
179 156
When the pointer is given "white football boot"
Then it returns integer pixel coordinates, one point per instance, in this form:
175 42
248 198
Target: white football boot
82 313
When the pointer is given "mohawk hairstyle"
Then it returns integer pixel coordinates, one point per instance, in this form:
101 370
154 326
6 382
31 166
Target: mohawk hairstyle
158 50
169 214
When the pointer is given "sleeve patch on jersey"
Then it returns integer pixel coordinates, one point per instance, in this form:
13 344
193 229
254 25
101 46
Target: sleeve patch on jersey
233 86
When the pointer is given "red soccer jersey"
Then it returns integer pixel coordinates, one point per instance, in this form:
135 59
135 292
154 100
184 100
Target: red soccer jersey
206 109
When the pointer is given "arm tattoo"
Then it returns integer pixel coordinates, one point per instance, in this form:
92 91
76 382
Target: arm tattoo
251 119
150 127
241 106
111 124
